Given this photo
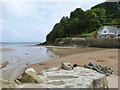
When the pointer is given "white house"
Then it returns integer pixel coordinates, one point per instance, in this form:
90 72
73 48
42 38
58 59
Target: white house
109 32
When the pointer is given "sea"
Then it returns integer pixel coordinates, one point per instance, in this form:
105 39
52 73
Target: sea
22 55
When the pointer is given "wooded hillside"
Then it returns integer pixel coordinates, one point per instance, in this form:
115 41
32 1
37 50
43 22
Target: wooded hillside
82 22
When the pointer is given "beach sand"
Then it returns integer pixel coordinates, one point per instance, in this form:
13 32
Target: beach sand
66 51
104 57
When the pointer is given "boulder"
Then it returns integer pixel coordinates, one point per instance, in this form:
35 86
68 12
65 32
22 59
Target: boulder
66 66
31 72
30 76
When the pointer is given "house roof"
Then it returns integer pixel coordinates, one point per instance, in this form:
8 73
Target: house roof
112 29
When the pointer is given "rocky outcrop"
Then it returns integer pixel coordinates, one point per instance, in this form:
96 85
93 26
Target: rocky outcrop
67 76
79 77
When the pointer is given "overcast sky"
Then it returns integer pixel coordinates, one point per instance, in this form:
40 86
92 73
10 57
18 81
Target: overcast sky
23 21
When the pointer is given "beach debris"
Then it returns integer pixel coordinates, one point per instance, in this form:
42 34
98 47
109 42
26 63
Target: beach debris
29 76
66 66
101 69
7 84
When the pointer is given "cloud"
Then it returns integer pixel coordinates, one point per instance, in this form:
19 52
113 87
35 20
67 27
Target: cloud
32 21
19 9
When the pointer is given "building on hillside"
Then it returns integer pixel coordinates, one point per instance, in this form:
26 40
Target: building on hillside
109 32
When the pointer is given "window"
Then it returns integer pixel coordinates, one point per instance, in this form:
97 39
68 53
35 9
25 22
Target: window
104 31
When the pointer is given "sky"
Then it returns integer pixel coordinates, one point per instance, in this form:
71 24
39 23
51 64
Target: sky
32 20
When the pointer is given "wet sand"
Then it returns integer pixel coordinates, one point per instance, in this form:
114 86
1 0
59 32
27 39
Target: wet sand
62 51
5 49
5 63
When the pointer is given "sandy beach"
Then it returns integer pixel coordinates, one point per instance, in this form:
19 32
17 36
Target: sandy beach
104 57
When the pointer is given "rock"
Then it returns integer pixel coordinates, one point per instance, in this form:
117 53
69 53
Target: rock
66 66
76 65
7 84
31 72
25 78
78 77
29 76
103 70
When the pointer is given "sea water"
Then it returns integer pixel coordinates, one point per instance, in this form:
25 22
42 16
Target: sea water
22 55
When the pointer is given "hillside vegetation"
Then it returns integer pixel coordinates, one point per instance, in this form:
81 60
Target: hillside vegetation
85 23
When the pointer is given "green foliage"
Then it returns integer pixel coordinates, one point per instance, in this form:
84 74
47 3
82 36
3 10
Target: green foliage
112 10
116 21
85 23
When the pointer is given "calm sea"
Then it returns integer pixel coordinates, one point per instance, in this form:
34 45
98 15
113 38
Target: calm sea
23 54
25 51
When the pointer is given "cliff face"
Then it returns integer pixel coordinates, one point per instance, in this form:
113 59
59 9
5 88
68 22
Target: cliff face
81 22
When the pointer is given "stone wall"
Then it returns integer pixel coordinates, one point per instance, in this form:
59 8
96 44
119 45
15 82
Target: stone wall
99 42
